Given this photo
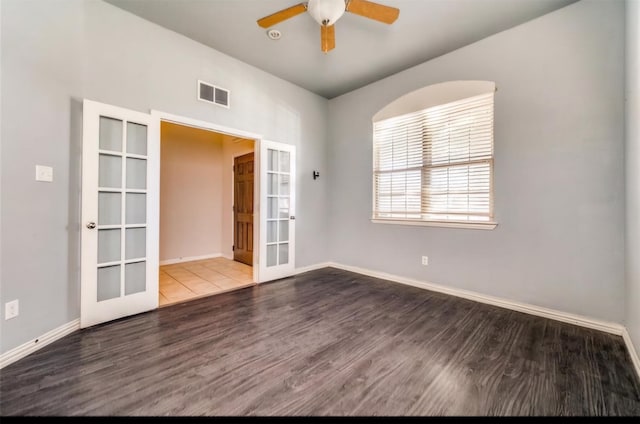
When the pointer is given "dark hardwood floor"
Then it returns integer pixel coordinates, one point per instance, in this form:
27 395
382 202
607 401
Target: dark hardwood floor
328 342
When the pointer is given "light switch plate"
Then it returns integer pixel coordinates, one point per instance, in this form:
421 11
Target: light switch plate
44 173
11 309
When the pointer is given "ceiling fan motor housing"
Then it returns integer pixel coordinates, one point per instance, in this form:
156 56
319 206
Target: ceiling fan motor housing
326 12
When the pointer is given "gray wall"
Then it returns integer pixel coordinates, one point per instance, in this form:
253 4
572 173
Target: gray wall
632 155
55 53
559 180
559 108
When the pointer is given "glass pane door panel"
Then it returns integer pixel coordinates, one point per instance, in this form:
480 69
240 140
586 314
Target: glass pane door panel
136 173
136 139
135 243
272 232
108 246
284 162
109 208
284 185
283 253
136 208
110 134
272 208
272 255
272 161
135 278
108 282
272 184
283 207
283 234
110 171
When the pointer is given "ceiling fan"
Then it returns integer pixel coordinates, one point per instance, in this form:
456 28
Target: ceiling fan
327 12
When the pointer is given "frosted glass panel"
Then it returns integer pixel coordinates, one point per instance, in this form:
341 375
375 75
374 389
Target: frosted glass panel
283 208
110 134
108 282
272 255
283 230
135 243
272 207
136 138
272 160
284 162
109 208
272 227
108 246
136 208
284 185
284 253
272 184
136 173
110 171
135 278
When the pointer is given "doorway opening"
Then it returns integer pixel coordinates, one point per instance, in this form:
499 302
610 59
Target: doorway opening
207 191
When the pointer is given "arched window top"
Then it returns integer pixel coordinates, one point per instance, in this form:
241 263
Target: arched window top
434 95
433 157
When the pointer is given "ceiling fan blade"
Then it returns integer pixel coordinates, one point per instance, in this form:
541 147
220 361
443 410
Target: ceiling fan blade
327 37
372 10
276 18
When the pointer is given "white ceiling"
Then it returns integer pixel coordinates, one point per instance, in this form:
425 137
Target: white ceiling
366 50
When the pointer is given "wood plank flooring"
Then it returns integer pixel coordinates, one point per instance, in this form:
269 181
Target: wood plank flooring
327 342
191 280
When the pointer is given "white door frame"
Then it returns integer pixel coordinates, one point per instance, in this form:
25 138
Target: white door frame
158 116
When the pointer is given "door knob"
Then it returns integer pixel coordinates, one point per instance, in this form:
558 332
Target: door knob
91 225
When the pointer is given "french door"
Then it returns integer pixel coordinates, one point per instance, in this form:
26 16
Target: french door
277 210
120 180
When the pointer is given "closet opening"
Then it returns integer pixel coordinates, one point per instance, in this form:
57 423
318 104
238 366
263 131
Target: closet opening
207 183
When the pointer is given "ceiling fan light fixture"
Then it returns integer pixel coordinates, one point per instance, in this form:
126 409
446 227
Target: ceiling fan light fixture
326 12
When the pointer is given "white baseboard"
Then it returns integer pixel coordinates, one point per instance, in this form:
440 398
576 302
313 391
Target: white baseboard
608 327
632 351
190 258
313 267
31 346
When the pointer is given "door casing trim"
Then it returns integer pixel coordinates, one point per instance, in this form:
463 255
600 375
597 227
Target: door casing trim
158 116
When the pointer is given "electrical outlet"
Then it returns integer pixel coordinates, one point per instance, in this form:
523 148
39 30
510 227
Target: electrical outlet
425 260
11 309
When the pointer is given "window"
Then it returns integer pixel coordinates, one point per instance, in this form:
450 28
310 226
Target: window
435 165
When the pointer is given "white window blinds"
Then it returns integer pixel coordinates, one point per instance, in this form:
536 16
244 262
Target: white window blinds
436 164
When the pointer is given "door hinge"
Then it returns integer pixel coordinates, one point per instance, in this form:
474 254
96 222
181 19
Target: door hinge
233 248
234 168
233 208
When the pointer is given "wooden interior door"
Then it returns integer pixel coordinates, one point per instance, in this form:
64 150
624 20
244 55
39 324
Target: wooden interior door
243 172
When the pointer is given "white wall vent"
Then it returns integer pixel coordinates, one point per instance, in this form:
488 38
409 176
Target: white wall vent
211 94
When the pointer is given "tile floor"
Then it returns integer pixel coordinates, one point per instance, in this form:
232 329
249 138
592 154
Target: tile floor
191 280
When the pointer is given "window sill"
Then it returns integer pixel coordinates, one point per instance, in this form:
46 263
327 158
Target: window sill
445 224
